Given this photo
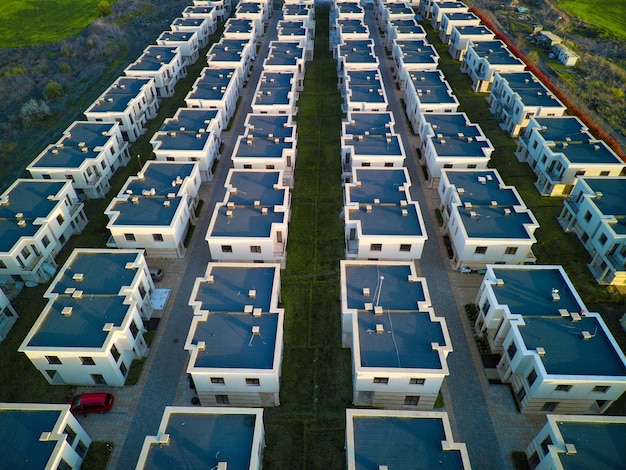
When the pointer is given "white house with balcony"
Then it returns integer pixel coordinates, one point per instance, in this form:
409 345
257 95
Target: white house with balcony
349 9
485 220
235 54
297 31
414 55
235 341
440 8
426 92
186 41
256 11
201 25
451 19
241 28
155 209
286 56
399 346
8 315
462 36
403 29
251 224
300 11
216 89
164 64
344 28
88 154
381 220
276 93
37 218
568 441
356 54
517 96
363 90
206 437
41 435
484 58
560 149
596 213
209 12
131 102
222 8
391 11
91 329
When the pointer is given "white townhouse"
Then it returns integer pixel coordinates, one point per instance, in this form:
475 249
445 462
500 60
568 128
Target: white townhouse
413 56
41 435
403 30
344 29
235 340
88 154
462 36
200 25
363 90
235 54
565 55
155 209
222 8
241 28
596 213
399 346
276 93
186 41
206 437
131 102
251 224
8 315
426 92
402 439
439 8
381 220
164 64
209 12
297 31
216 89
517 96
37 218
392 11
299 12
192 138
91 329
560 149
268 143
484 58
485 220
349 10
286 56
450 140
258 12
452 19
425 8
570 441
356 54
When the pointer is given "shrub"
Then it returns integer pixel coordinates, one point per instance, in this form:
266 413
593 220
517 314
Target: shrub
104 9
65 68
52 90
34 110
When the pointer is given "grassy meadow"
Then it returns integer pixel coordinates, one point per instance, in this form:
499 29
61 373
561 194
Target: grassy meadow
609 15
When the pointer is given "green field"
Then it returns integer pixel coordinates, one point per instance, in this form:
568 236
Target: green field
609 15
26 23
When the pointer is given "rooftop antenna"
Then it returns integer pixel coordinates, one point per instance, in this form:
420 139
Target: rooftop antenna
379 289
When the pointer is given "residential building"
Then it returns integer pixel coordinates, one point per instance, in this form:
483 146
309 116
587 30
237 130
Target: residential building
565 55
276 93
381 220
222 8
83 341
426 92
251 223
131 102
449 20
286 56
349 10
356 54
450 140
299 12
421 439
235 341
516 97
256 11
344 29
297 31
560 149
41 435
399 346
363 90
216 88
462 36
485 220
569 441
392 11
191 437
155 209
413 56
164 64
8 315
88 154
212 13
235 54
199 24
403 29
484 58
186 41
241 28
37 218
596 213
439 8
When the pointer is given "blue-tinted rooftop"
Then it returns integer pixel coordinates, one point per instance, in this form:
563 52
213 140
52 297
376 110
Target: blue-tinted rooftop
245 221
290 9
567 352
530 90
261 147
175 36
253 186
432 88
612 201
81 141
456 136
284 53
495 52
365 86
349 25
528 291
451 5
146 211
405 344
188 22
347 8
382 184
212 84
560 129
369 124
274 88
418 51
265 124
154 58
229 290
397 8
190 140
416 444
358 51
598 445
461 16
397 293
248 7
227 50
20 431
388 220
197 10
203 440
29 198
406 26
291 28
119 95
230 342
376 145
238 25
193 120
471 30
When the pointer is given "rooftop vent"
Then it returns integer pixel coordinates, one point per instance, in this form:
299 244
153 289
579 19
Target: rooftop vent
77 294
248 308
405 212
460 190
575 316
570 449
467 205
229 213
264 211
21 223
494 203
380 328
378 310
107 326
482 180
210 279
256 330
257 312
369 306
563 312
404 203
499 282
368 208
166 203
252 293
69 290
587 335
473 214
507 211
541 351
366 292
67 311
555 294
78 277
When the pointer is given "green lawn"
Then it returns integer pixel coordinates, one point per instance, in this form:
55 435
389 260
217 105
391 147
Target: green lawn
609 15
35 22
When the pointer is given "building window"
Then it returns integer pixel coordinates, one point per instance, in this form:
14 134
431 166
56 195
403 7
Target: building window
255 249
222 400
530 378
247 166
25 252
157 237
376 247
134 330
227 249
585 237
388 164
123 369
217 380
115 353
81 449
480 250
545 443
510 250
587 216
60 219
563 388
87 361
521 394
411 400
447 165
381 380
602 239
269 167
471 166
417 381
53 359
63 465
2 265
366 164
129 237
511 351
580 173
601 388
45 241
605 173
98 379
534 460
71 435
255 382
405 247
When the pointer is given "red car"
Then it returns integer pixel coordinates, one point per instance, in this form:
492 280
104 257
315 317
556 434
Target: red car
92 403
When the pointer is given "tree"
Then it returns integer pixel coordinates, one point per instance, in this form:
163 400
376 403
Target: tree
34 110
104 8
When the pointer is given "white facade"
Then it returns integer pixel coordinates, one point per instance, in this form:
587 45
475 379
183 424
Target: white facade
450 20
76 342
164 64
439 8
462 36
216 88
426 92
484 58
565 55
276 93
186 41
211 13
194 24
8 316
235 54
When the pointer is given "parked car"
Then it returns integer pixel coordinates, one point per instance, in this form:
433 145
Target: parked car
156 274
92 403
